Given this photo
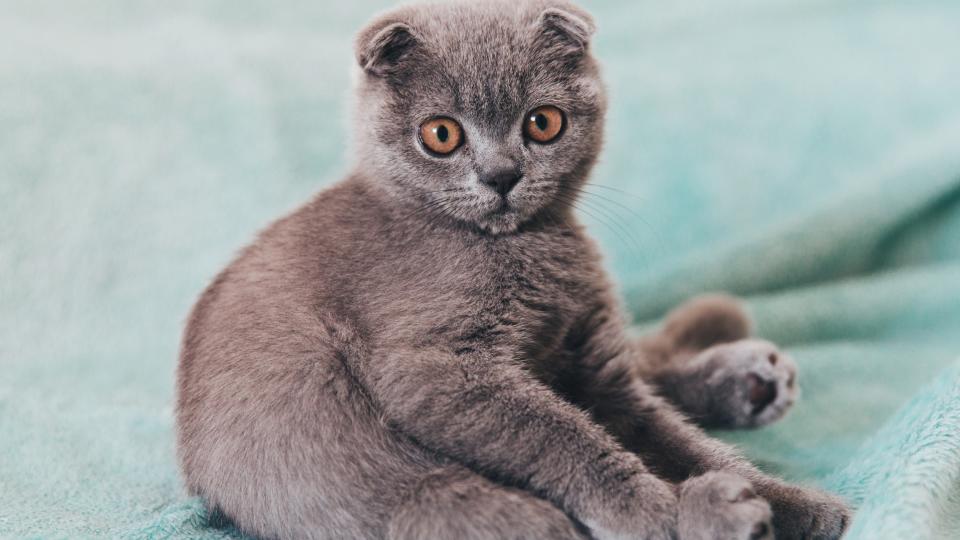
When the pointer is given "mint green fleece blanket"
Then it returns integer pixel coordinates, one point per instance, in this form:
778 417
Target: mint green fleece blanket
803 154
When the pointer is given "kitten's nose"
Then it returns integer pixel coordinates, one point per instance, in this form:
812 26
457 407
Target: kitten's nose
501 180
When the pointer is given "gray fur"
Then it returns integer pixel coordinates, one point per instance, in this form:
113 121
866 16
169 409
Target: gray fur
404 357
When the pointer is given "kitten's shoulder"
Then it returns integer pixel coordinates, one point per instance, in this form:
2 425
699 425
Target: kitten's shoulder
310 249
329 225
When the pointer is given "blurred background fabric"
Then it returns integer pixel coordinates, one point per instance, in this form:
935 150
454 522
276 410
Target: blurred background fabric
804 154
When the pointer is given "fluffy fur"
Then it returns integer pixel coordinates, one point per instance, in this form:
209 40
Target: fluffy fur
413 355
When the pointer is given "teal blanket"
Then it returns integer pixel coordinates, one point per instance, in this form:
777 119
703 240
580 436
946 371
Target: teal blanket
803 154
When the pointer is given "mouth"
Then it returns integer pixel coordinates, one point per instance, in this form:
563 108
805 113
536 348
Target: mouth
505 214
498 209
502 207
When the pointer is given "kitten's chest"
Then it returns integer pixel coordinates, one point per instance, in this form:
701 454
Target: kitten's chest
514 297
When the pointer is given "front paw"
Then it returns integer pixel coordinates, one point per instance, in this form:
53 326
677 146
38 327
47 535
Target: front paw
722 505
806 513
751 383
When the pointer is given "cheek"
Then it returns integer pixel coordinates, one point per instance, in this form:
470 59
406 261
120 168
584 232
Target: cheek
581 140
437 175
548 162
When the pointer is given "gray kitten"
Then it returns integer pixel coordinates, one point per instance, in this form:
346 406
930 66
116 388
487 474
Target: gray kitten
430 348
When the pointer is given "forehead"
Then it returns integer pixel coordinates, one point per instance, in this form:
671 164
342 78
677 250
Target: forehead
484 60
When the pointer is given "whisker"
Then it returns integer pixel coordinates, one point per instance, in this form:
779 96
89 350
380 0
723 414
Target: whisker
618 190
632 213
619 204
632 247
617 222
426 207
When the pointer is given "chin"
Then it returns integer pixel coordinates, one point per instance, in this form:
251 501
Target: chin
503 222
500 222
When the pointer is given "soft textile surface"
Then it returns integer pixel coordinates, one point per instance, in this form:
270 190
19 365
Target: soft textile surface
805 154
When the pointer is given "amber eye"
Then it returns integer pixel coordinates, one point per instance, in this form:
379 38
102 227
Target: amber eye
544 124
441 135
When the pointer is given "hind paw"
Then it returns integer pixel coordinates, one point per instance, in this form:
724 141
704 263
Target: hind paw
751 383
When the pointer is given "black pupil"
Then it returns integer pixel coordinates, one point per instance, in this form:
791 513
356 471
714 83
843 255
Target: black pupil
442 133
541 121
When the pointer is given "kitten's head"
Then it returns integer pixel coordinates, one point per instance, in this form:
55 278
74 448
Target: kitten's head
489 113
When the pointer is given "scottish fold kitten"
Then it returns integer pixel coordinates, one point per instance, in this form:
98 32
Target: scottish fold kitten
431 349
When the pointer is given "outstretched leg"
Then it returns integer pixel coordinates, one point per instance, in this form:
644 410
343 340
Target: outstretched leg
703 362
672 448
710 505
453 502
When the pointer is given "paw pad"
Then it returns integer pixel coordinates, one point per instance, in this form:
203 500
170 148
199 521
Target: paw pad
762 392
760 531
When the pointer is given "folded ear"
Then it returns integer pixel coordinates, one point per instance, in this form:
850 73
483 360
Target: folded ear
382 47
566 31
